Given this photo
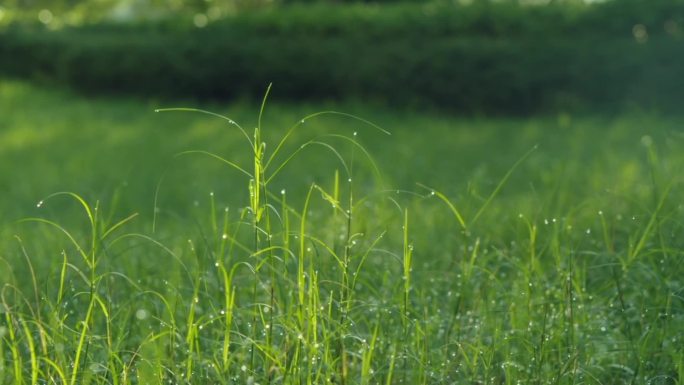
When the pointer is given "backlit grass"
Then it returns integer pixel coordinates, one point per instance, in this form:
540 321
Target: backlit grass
489 251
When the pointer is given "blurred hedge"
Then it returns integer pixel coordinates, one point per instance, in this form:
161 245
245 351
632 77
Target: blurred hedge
486 57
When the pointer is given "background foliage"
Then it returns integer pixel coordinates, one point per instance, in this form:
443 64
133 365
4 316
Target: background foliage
484 57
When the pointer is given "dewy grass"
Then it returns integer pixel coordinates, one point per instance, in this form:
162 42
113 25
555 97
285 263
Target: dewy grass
339 280
301 364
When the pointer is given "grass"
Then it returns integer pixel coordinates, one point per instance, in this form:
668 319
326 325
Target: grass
490 251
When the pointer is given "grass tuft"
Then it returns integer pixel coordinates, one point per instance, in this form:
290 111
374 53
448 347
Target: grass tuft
308 276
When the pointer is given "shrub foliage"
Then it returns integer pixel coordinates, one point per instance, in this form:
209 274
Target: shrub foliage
484 57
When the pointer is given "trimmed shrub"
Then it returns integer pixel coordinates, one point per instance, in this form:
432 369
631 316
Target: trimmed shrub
488 57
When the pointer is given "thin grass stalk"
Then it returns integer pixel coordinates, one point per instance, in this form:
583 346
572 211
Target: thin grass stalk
82 343
14 347
406 277
367 357
302 307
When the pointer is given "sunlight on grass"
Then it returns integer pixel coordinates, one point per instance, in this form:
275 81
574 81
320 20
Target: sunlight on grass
558 265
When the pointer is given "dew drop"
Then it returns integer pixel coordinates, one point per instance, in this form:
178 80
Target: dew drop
141 314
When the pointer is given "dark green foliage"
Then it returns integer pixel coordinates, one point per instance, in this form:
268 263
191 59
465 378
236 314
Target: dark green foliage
502 57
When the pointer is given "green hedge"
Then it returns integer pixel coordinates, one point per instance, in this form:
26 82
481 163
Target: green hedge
500 58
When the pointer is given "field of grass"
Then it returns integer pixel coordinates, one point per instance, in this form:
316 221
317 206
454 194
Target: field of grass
176 250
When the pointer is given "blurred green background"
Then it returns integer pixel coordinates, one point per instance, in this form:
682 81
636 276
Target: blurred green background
466 87
500 57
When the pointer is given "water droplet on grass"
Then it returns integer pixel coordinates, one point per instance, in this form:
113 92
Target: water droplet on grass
141 314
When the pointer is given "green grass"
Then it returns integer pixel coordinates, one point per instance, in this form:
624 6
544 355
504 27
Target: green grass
545 250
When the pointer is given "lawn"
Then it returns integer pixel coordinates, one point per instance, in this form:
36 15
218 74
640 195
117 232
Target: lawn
453 250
